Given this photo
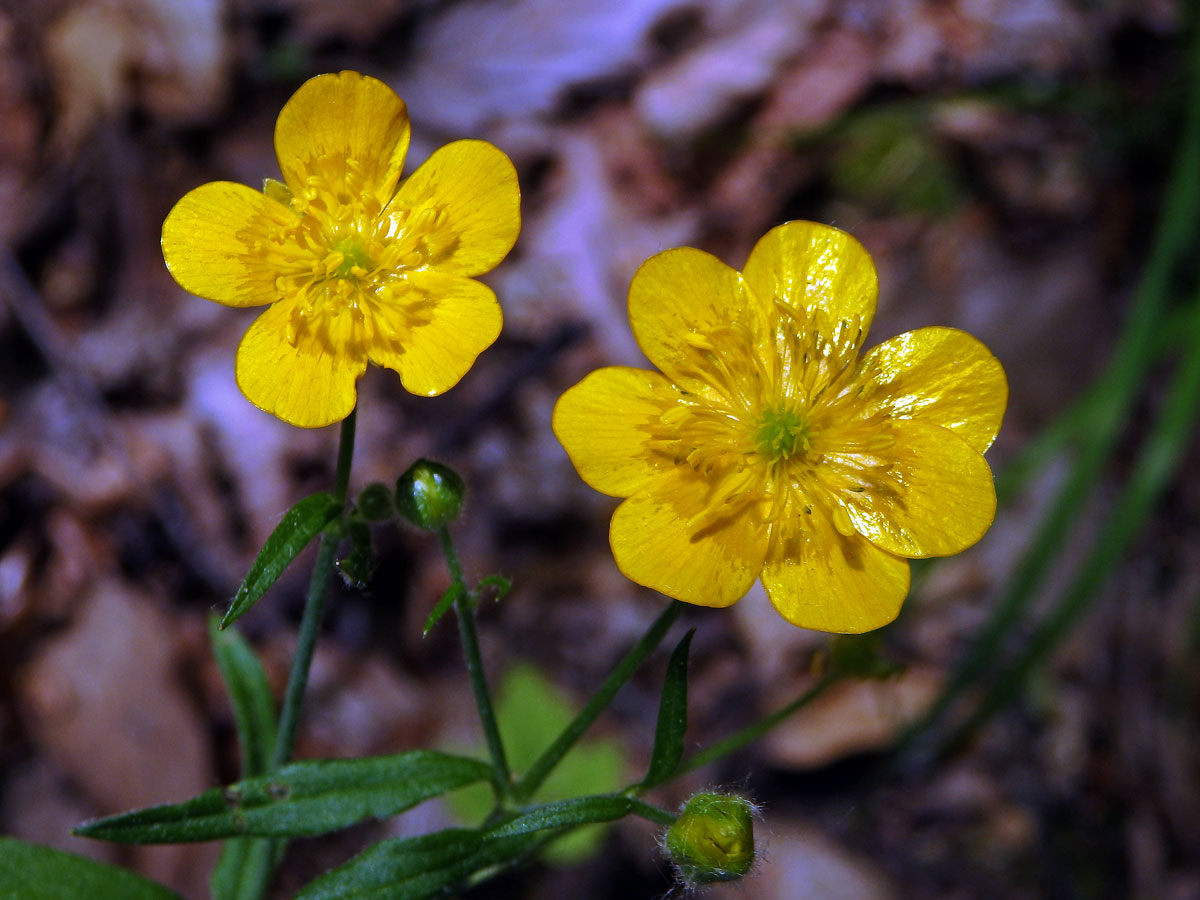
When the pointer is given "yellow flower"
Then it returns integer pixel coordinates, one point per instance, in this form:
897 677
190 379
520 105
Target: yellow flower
352 265
769 448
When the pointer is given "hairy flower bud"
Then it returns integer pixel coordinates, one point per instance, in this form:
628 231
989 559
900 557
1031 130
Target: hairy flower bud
713 839
375 502
429 494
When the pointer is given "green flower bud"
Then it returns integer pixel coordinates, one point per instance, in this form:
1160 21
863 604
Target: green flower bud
375 502
713 839
429 494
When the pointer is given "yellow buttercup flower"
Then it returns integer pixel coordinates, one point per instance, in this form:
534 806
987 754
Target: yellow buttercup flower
768 447
353 265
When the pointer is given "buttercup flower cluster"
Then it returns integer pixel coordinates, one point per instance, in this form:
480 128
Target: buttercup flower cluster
353 265
768 447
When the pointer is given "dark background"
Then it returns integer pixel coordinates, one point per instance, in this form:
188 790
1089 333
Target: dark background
1003 160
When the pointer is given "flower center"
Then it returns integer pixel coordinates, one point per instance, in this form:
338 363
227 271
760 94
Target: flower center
356 261
782 433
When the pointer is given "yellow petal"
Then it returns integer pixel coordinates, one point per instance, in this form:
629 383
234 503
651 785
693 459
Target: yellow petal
678 299
827 582
654 547
465 202
821 270
352 127
942 376
310 384
461 319
601 422
209 239
938 499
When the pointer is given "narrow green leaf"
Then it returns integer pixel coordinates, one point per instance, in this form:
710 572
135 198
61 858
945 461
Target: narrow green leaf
672 718
300 524
565 814
33 872
299 800
416 868
442 607
243 869
420 867
250 695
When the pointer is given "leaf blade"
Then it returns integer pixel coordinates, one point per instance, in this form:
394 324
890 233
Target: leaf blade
302 799
672 718
34 872
249 694
299 526
420 867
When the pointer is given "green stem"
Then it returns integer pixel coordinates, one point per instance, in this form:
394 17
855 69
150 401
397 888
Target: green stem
501 778
314 606
1115 392
655 814
550 758
751 733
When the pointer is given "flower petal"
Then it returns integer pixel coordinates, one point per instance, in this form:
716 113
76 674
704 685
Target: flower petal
942 376
310 384
682 296
601 424
827 582
654 546
208 242
821 270
353 128
461 320
937 498
467 204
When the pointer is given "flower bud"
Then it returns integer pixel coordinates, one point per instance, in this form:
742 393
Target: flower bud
429 494
713 839
375 502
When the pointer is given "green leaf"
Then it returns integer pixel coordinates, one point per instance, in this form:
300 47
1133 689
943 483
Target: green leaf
442 607
565 814
420 867
299 800
250 695
672 718
417 867
32 872
300 524
243 869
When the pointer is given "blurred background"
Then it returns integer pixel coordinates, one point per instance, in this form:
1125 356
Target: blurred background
1026 170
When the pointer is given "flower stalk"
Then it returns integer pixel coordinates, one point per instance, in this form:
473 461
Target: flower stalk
501 778
314 605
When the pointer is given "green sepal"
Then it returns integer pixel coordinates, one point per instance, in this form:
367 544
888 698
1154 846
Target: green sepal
672 718
356 566
420 867
299 800
33 872
249 694
242 869
300 524
442 607
861 656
